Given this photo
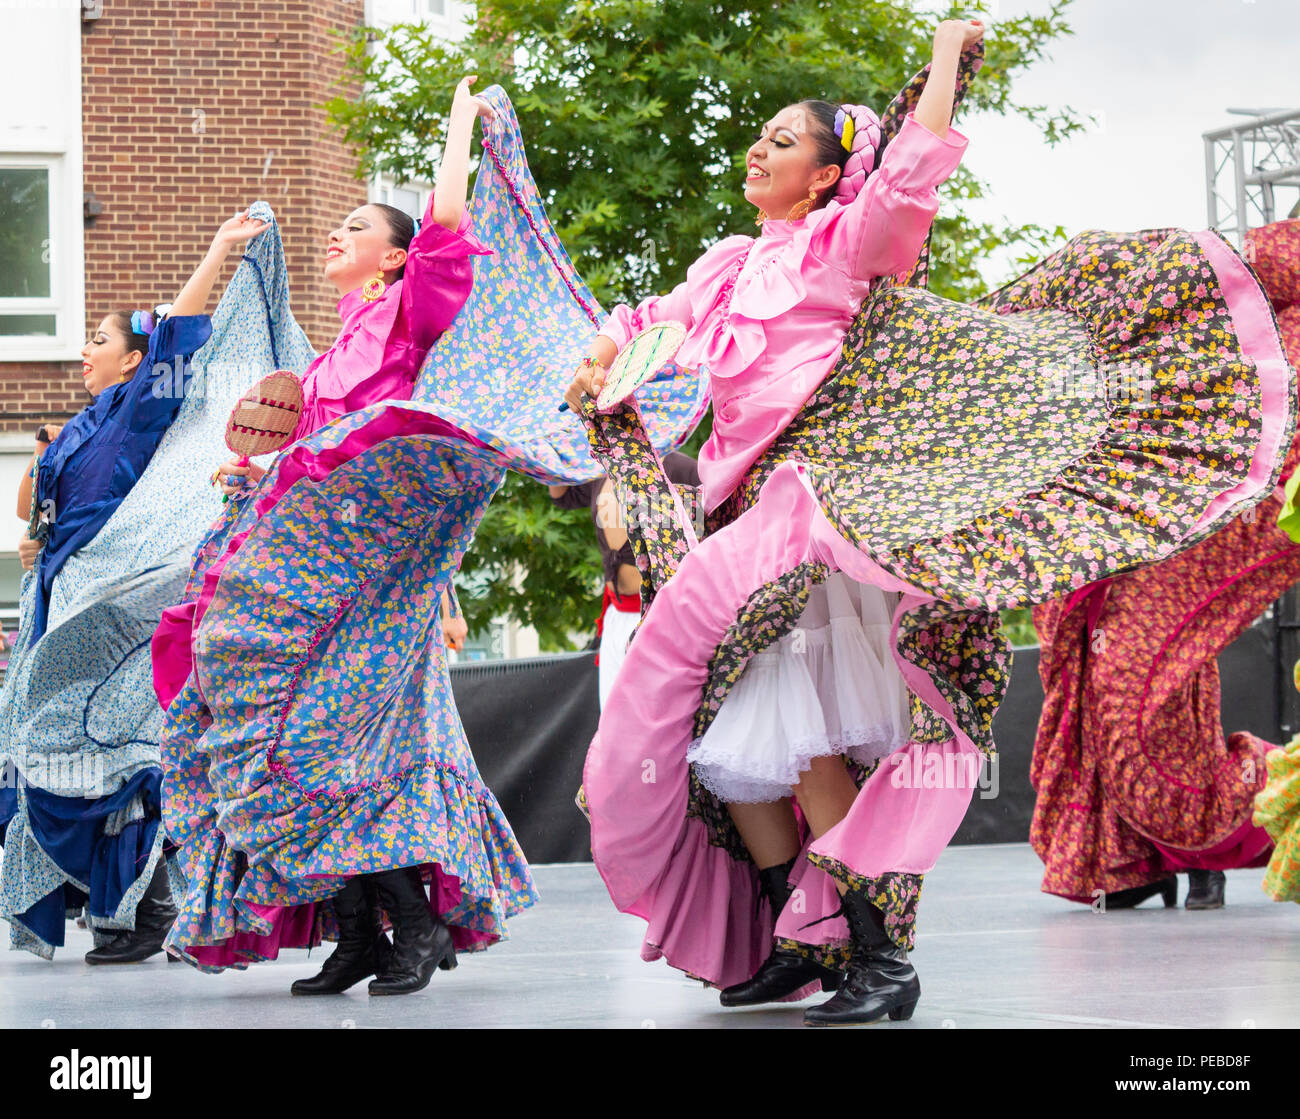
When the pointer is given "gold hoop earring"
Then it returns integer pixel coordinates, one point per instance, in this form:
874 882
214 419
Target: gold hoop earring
373 289
800 210
762 217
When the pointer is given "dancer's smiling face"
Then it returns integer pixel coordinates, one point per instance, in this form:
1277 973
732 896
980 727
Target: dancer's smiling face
785 162
109 356
360 249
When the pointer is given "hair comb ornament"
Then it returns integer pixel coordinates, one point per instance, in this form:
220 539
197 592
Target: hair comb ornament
844 129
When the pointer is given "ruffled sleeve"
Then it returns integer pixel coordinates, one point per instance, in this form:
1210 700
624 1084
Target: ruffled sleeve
883 229
438 276
624 321
152 400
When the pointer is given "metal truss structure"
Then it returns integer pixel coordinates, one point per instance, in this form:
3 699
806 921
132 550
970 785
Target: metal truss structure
1246 166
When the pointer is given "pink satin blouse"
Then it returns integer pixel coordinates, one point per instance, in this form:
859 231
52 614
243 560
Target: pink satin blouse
766 316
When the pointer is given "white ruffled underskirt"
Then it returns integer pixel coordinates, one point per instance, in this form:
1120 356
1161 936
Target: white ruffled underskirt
829 686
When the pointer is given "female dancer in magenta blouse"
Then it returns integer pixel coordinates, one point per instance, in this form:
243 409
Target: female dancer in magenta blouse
887 471
427 820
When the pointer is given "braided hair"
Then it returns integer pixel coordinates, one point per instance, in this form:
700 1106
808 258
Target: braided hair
847 136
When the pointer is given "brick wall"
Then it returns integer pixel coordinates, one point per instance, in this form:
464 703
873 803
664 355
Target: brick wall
34 391
189 112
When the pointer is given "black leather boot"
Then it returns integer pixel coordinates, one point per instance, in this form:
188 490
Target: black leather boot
783 972
421 940
361 951
153 921
1167 888
879 980
1205 889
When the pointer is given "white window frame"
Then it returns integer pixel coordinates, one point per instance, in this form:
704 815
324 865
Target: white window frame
382 187
64 302
60 149
452 21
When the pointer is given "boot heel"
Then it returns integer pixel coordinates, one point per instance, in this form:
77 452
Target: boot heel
448 962
904 1012
1169 892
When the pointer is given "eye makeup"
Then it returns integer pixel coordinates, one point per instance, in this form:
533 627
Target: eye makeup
781 137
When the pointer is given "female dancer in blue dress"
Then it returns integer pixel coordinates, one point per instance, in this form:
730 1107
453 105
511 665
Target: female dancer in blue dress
80 820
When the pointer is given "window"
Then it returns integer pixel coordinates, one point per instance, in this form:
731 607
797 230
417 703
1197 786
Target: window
410 198
42 229
27 306
38 315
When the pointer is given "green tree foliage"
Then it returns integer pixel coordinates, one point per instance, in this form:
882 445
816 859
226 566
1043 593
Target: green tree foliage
636 116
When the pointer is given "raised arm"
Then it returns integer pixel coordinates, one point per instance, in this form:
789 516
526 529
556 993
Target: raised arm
882 230
934 109
193 297
439 275
453 171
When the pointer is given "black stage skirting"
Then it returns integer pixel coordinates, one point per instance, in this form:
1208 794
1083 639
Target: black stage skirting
529 723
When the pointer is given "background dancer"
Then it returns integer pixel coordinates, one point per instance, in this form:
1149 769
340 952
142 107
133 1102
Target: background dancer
620 604
1136 781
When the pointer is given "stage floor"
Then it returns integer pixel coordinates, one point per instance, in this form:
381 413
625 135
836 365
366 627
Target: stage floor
992 952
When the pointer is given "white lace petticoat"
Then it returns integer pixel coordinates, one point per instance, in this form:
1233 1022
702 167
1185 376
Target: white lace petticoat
829 686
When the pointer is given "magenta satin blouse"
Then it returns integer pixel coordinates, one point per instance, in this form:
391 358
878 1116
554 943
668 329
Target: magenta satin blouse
378 353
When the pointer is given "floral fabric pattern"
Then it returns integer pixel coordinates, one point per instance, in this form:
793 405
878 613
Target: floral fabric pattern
325 715
1131 759
1277 809
536 317
317 737
1131 756
895 895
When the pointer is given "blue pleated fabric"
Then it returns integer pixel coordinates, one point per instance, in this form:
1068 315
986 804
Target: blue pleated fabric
79 722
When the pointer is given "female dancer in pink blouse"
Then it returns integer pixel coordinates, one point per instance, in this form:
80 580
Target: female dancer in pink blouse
767 317
399 292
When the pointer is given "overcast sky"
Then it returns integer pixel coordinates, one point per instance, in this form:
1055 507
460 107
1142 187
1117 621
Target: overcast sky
1158 73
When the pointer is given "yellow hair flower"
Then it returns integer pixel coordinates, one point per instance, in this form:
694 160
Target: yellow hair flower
847 137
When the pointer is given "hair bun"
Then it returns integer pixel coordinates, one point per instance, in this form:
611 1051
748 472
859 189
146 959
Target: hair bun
860 127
